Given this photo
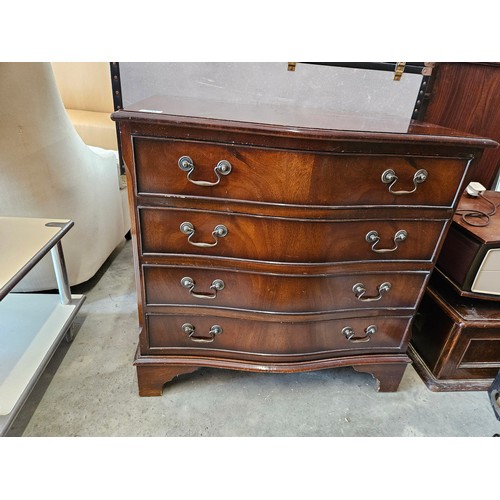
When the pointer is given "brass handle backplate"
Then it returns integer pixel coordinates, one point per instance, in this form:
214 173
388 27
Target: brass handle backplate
374 238
359 291
349 334
190 330
390 177
189 283
186 164
219 231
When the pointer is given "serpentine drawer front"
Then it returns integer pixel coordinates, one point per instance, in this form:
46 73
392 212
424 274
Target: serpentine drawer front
234 289
264 339
255 237
274 246
257 174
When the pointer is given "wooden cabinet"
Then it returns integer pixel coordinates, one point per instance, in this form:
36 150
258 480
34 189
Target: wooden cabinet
456 340
456 333
283 239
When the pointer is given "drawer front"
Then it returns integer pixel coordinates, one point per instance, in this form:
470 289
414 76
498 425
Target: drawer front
280 293
286 240
219 336
483 348
294 177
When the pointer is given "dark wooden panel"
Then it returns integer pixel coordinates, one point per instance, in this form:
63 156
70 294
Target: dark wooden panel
430 331
457 255
466 96
483 350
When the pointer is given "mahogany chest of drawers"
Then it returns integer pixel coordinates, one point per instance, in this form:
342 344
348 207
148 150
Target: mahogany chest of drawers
279 239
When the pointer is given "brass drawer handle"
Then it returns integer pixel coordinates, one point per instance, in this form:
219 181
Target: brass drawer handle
219 232
374 238
190 329
186 164
390 177
348 333
360 290
189 283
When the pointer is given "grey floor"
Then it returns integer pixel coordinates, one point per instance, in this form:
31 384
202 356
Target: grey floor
90 389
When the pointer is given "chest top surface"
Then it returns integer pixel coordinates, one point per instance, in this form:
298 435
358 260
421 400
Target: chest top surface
291 121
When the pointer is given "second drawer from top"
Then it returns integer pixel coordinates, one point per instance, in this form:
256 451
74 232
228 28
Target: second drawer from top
274 239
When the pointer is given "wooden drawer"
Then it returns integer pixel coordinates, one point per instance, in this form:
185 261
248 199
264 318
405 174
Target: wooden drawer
166 285
293 177
268 338
286 240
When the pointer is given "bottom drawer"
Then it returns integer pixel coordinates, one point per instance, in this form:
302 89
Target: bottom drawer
231 337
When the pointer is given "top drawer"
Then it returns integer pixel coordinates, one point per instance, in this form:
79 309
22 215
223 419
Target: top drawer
293 177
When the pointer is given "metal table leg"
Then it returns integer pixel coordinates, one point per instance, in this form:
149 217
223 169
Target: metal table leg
61 273
62 282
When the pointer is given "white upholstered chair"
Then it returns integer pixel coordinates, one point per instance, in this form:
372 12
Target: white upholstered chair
46 170
87 95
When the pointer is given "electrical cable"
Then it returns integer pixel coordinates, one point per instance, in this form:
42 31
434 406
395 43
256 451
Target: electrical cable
468 216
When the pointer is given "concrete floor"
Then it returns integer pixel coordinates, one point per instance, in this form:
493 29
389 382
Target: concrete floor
90 389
